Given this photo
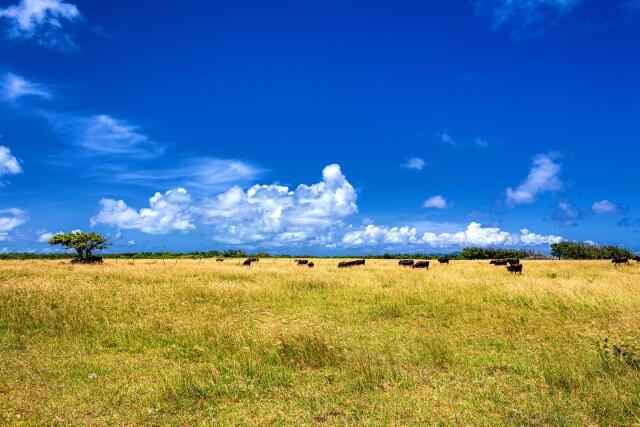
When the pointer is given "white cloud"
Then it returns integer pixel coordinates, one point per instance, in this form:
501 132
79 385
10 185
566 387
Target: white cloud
105 135
435 202
529 238
528 18
604 207
415 163
9 165
446 138
567 214
41 21
166 213
543 177
15 87
267 214
46 236
9 220
273 213
373 235
474 235
131 242
205 173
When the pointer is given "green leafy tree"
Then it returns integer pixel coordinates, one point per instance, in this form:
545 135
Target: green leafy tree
83 243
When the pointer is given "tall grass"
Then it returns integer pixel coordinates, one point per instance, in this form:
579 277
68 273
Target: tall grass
193 342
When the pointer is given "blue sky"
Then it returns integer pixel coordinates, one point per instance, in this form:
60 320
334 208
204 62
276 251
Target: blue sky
320 127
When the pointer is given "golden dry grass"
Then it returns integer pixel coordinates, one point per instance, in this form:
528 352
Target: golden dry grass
193 342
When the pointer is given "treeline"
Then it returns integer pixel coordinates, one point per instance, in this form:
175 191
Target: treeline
576 250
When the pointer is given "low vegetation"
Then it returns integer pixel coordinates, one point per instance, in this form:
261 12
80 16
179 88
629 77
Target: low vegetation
186 342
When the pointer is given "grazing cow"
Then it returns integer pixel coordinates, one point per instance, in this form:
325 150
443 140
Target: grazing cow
310 264
444 260
247 262
254 259
405 262
421 264
515 268
499 262
513 261
302 261
219 259
344 264
620 260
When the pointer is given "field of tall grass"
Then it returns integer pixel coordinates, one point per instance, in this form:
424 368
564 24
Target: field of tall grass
199 342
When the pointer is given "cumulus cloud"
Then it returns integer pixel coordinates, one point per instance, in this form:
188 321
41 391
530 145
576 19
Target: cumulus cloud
268 214
168 212
567 214
9 165
15 87
43 22
275 213
604 207
45 236
9 220
473 235
415 163
446 138
435 202
526 18
374 235
543 177
533 239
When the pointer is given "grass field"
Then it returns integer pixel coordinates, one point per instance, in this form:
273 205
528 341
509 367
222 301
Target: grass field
200 342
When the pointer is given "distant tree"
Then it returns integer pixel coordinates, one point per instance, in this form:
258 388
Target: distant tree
576 250
83 243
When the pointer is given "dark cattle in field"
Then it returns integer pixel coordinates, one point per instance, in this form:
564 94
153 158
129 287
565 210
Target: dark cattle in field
515 268
620 260
421 264
636 259
444 260
310 265
89 260
219 259
513 261
405 262
302 261
254 259
498 262
344 264
247 262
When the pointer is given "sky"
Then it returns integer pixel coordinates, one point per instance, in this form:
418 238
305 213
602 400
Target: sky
320 127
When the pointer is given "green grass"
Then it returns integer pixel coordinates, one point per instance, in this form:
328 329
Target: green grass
197 342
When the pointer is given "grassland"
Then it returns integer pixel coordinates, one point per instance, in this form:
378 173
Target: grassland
199 342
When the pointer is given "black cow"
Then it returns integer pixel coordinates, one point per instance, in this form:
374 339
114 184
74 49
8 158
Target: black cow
498 262
513 261
310 264
515 268
247 262
620 260
421 264
444 260
219 259
405 262
345 264
302 261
